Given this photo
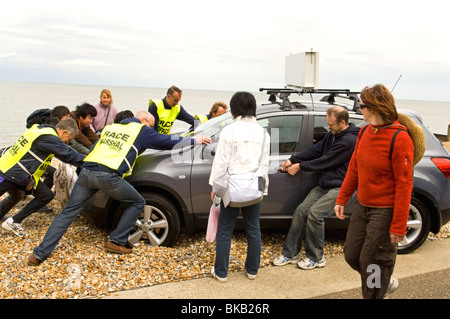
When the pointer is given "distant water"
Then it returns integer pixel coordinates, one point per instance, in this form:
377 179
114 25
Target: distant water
18 100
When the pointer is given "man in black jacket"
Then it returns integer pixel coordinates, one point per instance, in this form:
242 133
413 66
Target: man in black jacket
330 157
24 163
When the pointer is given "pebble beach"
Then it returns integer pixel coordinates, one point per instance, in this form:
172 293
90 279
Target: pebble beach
81 268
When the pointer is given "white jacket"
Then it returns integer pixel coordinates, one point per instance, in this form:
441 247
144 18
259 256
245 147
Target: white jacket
239 149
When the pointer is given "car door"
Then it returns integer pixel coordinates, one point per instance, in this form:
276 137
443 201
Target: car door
285 191
285 128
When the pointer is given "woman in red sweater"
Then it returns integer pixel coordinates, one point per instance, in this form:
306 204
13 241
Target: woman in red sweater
383 177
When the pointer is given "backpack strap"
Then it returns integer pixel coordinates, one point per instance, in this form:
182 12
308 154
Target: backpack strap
392 142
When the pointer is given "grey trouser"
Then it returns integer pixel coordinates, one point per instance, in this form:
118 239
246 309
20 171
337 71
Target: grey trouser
368 249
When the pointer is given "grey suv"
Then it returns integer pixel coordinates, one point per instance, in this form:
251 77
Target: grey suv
175 183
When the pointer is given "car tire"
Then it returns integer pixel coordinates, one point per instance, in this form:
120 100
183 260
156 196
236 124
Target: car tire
418 227
158 224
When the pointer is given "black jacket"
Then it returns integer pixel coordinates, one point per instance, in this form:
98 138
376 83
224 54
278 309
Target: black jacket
330 156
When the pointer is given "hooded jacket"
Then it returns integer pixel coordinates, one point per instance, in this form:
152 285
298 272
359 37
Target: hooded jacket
330 156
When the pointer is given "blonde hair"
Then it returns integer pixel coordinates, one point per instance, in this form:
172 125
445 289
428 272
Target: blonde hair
108 93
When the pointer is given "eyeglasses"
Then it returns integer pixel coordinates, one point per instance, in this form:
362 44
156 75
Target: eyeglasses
362 106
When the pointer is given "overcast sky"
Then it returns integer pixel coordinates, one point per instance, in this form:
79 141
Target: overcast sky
228 45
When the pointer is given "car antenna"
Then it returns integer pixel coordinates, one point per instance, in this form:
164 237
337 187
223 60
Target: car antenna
396 83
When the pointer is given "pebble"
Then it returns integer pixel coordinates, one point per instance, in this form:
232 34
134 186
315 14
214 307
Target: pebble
79 267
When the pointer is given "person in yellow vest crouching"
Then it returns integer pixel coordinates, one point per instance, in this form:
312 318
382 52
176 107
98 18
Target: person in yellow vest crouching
111 158
167 110
23 164
217 109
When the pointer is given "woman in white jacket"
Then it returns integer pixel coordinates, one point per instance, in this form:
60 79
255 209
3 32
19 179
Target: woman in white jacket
239 151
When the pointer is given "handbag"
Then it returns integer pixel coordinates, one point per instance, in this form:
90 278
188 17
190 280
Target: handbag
240 190
213 220
246 189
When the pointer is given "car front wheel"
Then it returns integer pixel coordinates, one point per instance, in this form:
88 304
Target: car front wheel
158 224
418 227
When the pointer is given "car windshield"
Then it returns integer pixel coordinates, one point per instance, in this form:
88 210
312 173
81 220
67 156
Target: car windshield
214 126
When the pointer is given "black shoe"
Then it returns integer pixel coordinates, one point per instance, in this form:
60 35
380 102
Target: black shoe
45 209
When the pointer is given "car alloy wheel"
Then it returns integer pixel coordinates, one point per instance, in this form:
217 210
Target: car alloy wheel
151 225
418 227
159 223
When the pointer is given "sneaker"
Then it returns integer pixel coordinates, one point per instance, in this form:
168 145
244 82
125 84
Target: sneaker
213 273
250 276
283 260
311 264
16 228
114 248
393 285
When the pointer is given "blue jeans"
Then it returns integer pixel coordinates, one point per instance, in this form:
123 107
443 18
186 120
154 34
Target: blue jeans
227 221
87 184
308 223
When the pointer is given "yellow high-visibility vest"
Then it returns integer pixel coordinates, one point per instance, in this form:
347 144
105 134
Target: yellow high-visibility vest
114 144
23 146
202 117
166 117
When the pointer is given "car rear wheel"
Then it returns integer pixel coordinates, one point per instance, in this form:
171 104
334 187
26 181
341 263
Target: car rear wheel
418 227
158 224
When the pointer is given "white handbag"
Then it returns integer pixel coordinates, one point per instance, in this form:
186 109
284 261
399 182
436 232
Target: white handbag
246 189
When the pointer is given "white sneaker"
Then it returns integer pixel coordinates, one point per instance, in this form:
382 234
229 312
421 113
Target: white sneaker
213 273
393 285
283 260
311 264
251 277
16 228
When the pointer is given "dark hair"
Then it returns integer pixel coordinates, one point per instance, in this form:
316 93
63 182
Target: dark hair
60 111
243 104
339 112
123 115
380 100
85 109
52 121
173 89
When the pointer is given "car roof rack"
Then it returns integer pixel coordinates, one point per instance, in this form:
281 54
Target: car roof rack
331 94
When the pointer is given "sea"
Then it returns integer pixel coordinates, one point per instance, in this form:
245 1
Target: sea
19 99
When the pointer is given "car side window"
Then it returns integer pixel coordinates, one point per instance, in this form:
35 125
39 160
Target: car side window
284 132
320 127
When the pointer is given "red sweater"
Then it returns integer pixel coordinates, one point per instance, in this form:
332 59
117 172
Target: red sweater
380 181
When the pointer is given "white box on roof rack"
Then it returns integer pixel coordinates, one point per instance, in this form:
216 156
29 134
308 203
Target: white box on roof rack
302 70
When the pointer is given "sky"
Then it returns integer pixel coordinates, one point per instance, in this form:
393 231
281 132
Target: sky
228 45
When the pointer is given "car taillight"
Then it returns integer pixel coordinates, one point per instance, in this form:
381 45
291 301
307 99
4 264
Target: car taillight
443 164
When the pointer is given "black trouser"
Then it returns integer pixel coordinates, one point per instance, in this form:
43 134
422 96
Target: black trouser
368 249
42 196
